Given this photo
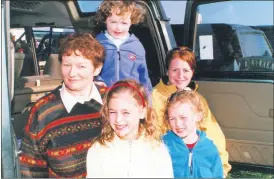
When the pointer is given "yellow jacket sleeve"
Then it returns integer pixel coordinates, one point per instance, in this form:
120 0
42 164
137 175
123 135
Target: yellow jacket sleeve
159 104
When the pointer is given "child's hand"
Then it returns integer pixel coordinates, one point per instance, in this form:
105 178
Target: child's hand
100 83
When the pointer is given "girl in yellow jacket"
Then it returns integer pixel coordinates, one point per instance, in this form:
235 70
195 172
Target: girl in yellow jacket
181 64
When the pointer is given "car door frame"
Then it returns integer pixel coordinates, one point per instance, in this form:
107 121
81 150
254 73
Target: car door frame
239 149
9 149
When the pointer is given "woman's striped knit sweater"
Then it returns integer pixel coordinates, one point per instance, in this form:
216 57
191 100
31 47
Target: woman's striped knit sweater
56 142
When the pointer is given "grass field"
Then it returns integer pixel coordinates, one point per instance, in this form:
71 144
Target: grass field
250 172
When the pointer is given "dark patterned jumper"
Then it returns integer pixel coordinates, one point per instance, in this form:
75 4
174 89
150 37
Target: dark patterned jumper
56 142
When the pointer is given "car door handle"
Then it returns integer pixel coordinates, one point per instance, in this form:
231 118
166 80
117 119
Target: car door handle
271 112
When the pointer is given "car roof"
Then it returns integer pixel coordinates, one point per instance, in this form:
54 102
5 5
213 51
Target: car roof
50 13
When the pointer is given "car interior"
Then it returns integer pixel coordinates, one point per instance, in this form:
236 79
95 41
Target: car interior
241 101
37 69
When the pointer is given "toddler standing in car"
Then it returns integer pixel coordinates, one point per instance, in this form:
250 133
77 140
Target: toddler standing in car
125 55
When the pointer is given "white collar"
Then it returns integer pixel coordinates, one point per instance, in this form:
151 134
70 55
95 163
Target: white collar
69 100
116 42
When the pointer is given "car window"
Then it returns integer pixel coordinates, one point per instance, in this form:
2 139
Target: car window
47 42
18 37
175 10
88 6
16 33
42 38
231 37
254 44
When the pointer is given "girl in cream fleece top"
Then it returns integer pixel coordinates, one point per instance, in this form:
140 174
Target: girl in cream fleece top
130 144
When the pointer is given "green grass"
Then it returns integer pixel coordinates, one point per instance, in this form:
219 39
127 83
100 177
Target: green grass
249 172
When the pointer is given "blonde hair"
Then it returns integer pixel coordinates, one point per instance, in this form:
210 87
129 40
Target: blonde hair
147 127
190 97
124 6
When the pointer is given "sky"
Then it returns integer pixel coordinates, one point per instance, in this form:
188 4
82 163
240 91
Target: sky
236 12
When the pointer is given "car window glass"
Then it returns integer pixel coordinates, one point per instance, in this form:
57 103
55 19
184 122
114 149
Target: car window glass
42 38
17 33
254 44
232 38
88 6
175 10
48 43
18 37
43 48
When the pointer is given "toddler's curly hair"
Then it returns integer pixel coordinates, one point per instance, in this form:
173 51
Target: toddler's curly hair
123 6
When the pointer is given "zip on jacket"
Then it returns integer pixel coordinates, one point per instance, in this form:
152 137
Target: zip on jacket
202 161
190 162
129 61
129 159
117 65
138 158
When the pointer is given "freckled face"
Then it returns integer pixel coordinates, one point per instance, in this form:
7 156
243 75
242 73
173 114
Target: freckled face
125 115
78 73
182 119
118 26
179 73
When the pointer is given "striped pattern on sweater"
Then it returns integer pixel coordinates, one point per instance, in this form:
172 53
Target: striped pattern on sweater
55 143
